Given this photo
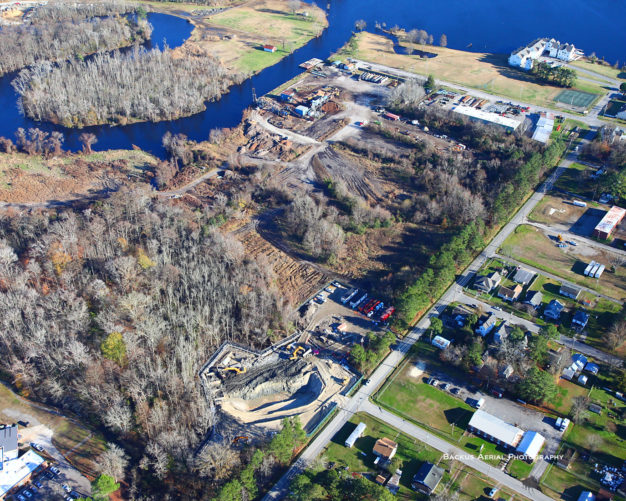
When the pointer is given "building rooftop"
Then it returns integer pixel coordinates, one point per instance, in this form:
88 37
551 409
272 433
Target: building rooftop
385 447
523 276
8 438
496 428
429 475
611 219
16 470
485 116
531 444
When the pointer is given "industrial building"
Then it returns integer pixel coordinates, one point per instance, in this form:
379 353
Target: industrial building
8 443
544 128
508 124
495 430
609 222
18 471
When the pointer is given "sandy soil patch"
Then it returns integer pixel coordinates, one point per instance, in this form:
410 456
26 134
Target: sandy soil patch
417 370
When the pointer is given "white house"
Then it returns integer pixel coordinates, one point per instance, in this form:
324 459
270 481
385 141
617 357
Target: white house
524 57
566 52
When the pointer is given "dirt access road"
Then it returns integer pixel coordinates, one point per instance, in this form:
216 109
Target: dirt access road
360 401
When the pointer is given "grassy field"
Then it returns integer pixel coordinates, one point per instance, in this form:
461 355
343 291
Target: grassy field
408 396
487 72
529 245
246 28
575 179
66 434
602 69
469 484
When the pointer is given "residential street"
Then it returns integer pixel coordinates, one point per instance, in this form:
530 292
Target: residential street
360 401
575 345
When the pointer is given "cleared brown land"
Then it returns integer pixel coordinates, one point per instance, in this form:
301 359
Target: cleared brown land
32 179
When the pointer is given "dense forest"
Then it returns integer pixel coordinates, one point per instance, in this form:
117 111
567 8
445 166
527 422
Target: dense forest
60 31
137 86
111 312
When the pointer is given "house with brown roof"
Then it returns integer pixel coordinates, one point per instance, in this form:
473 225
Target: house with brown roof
385 448
509 294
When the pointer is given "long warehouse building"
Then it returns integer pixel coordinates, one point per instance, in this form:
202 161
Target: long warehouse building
488 118
609 222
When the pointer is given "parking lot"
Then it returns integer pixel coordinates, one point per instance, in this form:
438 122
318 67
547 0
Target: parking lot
54 478
507 410
336 326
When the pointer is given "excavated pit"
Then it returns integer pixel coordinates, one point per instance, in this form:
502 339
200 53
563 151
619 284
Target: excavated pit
260 399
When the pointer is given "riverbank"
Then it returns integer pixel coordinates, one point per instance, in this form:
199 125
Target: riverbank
236 35
487 72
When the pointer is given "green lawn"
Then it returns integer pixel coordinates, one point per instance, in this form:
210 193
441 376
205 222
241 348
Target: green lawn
469 484
520 469
531 246
602 69
576 179
426 405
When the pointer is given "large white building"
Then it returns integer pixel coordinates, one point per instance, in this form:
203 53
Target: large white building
524 57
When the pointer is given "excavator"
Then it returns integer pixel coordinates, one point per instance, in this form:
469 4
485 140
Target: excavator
296 352
244 439
236 370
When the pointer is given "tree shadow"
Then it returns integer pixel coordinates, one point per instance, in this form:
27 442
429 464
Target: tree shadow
459 416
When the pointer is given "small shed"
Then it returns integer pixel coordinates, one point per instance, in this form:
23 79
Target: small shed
568 374
582 379
269 48
440 342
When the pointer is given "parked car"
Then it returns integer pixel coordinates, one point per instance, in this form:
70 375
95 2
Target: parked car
38 484
492 492
27 493
571 242
37 447
55 470
455 391
66 488
432 381
445 386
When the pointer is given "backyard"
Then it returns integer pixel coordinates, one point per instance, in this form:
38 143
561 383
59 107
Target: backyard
531 246
470 484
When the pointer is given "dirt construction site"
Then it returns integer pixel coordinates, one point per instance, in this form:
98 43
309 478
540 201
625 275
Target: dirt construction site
255 391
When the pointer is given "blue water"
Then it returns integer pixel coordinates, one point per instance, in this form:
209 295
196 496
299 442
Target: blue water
497 26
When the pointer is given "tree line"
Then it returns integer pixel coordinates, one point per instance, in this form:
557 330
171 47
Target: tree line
110 313
559 75
140 85
59 31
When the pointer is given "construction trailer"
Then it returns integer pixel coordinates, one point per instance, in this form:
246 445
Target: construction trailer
589 268
356 434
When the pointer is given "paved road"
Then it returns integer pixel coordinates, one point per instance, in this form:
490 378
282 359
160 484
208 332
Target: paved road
590 119
497 475
575 345
360 400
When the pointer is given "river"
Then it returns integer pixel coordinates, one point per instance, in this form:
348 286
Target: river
497 26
